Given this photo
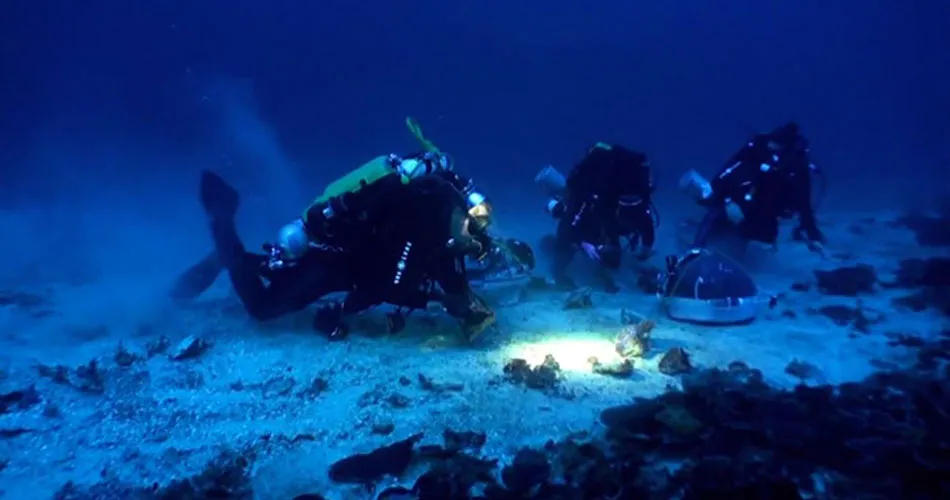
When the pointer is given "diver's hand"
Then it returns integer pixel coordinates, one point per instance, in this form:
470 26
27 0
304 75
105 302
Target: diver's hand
593 252
467 246
734 212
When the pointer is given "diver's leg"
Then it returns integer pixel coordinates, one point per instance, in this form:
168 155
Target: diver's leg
220 202
713 219
244 270
761 229
331 319
461 301
564 250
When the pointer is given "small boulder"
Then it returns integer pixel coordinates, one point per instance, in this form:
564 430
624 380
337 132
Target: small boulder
189 348
849 281
675 362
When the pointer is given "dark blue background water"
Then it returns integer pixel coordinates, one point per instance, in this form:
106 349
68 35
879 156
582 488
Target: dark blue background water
110 107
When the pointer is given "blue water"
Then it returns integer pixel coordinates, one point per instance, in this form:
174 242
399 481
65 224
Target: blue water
109 110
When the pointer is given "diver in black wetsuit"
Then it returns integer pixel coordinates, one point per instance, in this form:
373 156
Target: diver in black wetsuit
411 240
266 291
394 240
605 197
770 178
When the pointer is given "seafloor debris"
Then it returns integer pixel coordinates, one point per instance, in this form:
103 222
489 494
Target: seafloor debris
383 428
124 357
158 346
803 370
431 385
86 378
542 377
616 368
529 470
859 318
929 231
848 281
630 317
579 299
744 373
317 387
463 440
930 281
22 399
189 348
675 362
226 476
634 341
277 386
730 434
367 468
35 305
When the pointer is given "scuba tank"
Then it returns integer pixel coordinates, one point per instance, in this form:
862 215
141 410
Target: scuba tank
429 161
353 181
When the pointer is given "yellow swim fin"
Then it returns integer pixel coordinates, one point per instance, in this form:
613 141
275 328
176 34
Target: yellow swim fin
416 132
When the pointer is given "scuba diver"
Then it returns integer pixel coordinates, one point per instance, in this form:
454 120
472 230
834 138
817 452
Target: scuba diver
767 180
605 197
411 240
266 291
396 230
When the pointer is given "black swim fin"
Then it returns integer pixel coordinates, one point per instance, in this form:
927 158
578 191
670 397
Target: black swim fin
219 199
196 279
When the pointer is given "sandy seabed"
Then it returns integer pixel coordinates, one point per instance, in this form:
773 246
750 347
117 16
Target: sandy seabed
139 416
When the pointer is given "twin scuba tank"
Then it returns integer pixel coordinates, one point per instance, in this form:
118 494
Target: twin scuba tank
293 240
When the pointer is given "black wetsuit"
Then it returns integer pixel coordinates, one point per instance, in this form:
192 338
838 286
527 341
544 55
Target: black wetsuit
399 233
768 179
265 293
607 196
362 247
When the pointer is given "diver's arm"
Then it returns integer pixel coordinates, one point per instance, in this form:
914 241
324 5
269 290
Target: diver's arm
647 231
463 240
807 222
806 213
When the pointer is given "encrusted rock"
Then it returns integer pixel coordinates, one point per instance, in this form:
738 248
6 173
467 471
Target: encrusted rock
428 384
158 346
19 400
277 386
383 428
544 376
803 370
123 357
675 362
317 387
579 299
849 281
630 318
634 341
617 368
189 348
